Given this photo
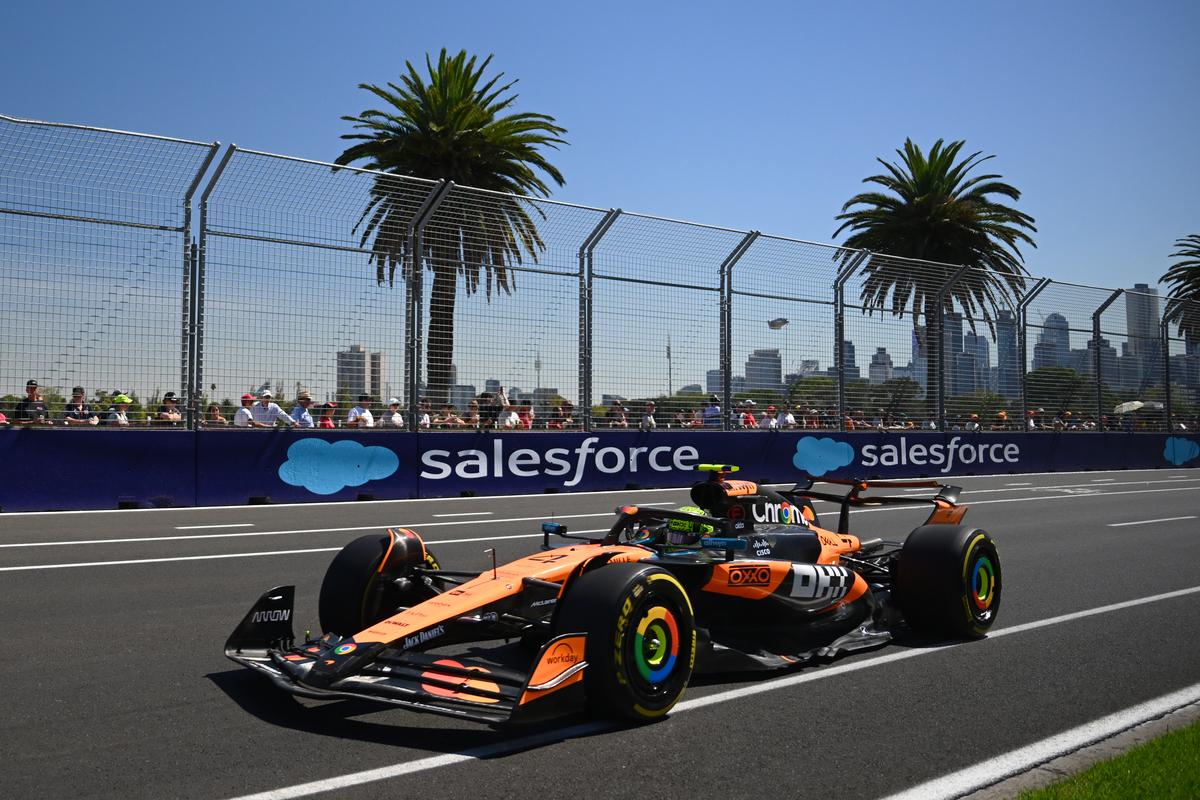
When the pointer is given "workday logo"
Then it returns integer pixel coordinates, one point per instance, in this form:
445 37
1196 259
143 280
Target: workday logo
818 456
1179 450
323 467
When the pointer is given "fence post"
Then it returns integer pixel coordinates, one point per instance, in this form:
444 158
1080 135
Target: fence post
1165 337
726 357
585 314
940 345
1112 298
196 320
839 330
414 296
1022 345
186 356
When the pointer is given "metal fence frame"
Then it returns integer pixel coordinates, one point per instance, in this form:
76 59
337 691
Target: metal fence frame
845 265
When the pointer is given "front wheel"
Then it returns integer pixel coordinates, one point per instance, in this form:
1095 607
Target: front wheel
948 581
641 639
372 577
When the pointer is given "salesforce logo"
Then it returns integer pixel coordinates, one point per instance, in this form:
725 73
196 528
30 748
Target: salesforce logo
322 467
1179 450
818 456
570 464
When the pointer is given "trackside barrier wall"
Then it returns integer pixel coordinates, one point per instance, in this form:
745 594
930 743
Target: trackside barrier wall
110 469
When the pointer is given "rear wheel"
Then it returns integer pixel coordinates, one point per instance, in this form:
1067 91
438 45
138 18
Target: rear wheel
641 639
372 577
948 581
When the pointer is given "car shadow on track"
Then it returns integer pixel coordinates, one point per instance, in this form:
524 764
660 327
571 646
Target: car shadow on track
339 719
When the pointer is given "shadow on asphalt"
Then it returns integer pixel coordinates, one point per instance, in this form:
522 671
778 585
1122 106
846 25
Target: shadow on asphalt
339 719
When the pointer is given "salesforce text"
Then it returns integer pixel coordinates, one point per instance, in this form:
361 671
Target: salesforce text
527 463
943 455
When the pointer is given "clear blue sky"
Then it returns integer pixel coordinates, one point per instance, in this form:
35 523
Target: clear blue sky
766 117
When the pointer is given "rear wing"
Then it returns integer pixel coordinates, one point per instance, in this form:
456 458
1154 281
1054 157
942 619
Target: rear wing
945 503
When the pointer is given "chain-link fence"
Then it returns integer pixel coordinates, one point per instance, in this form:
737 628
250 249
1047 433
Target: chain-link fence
336 288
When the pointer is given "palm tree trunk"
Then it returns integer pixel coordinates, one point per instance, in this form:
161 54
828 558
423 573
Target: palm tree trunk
439 354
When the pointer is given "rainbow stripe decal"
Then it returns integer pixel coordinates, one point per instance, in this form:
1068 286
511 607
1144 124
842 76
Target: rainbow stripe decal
656 645
983 584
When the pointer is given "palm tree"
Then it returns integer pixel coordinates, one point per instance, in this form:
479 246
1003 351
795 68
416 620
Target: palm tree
936 212
1183 299
452 125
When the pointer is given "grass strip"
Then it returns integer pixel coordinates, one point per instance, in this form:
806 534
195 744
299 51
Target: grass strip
1167 768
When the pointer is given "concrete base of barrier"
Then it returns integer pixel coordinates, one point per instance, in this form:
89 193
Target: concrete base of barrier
51 469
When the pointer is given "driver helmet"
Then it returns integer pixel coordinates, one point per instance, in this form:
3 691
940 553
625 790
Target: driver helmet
685 531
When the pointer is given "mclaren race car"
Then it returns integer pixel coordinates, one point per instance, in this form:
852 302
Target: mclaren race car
745 579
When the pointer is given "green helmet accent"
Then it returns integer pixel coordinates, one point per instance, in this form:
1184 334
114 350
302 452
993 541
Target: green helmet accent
687 525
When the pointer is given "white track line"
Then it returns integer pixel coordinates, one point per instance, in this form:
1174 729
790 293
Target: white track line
1018 484
227 525
1014 762
1147 521
525 743
623 492
468 514
423 525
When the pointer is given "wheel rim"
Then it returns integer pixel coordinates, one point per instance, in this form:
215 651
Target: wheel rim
656 646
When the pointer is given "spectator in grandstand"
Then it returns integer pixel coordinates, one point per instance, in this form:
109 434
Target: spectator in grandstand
360 416
392 418
119 416
3 419
424 415
561 419
525 417
972 425
472 419
243 418
647 422
769 421
78 412
32 410
746 417
616 415
326 420
448 418
266 413
212 416
1001 421
712 412
786 418
301 414
168 414
1033 421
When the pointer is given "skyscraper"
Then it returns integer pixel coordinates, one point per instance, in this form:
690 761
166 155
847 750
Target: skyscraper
359 372
764 370
881 368
1053 344
1008 356
1142 319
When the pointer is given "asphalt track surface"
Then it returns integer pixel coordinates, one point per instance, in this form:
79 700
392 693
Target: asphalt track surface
114 683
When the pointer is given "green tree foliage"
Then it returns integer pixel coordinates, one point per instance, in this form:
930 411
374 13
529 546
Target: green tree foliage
453 124
933 209
1183 280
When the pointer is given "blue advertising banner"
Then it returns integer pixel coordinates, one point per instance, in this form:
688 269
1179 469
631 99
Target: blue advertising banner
53 469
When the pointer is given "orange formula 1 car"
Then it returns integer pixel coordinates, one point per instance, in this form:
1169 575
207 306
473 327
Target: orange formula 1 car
745 579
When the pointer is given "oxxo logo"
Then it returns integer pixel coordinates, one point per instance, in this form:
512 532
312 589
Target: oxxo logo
277 615
759 575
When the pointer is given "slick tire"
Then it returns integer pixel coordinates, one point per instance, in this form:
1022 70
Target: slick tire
369 579
641 639
948 581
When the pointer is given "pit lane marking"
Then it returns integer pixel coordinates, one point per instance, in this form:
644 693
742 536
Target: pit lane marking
590 728
1147 521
